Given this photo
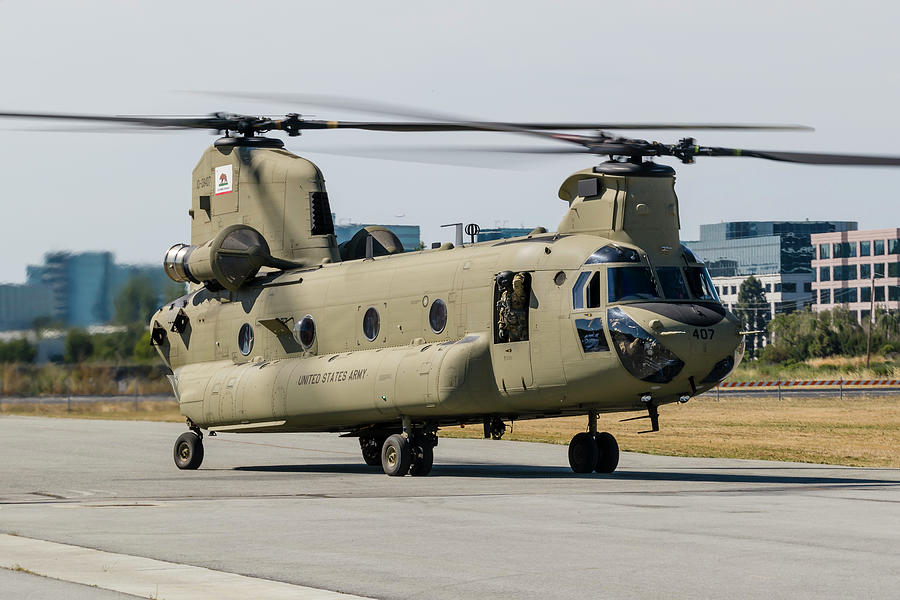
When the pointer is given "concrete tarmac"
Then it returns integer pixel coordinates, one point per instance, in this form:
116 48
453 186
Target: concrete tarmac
493 520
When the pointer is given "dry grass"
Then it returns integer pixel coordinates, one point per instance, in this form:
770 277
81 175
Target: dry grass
832 367
857 431
121 411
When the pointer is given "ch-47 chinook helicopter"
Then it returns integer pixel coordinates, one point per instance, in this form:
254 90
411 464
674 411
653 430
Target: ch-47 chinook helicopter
284 331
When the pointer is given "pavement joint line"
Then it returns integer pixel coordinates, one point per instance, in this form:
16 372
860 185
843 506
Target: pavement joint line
146 577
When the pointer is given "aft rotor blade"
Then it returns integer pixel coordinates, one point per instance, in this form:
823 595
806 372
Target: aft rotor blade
446 122
161 122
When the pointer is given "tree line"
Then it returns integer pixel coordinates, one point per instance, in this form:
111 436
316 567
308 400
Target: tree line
795 336
133 307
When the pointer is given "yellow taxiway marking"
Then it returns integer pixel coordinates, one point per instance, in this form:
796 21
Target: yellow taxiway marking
145 577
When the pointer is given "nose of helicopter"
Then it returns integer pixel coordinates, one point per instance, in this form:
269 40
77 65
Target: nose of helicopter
689 346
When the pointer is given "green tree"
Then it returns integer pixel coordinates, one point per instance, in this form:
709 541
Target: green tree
17 351
117 346
172 290
137 301
142 350
79 346
754 312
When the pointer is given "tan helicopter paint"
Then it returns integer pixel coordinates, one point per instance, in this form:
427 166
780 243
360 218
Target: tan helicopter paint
346 382
271 193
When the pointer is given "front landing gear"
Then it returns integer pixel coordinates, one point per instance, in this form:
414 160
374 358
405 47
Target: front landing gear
591 451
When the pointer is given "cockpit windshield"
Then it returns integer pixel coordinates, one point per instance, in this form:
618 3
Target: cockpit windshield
631 283
672 282
700 283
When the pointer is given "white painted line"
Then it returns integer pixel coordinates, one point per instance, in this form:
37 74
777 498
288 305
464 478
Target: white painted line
145 577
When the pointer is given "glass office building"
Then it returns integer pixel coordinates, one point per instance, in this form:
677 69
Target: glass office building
409 235
778 253
499 233
761 247
21 304
82 287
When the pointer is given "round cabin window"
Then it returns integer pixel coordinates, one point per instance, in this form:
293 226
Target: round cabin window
371 324
305 332
245 339
437 316
560 278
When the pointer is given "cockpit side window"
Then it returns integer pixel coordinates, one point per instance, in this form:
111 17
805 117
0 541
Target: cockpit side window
578 290
593 291
672 282
700 283
630 283
612 253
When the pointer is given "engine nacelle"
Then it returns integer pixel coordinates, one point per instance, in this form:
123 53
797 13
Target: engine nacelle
231 258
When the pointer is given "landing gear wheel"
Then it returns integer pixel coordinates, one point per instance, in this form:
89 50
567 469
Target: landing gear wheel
608 449
188 451
371 450
423 459
498 428
396 456
583 453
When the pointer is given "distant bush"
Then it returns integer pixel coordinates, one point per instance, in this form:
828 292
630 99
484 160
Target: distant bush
142 349
882 370
17 351
83 379
79 346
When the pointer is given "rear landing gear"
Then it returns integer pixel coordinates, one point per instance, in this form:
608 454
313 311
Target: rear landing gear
494 428
371 449
591 451
396 455
189 450
409 452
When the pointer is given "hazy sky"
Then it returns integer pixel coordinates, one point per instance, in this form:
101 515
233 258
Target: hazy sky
831 65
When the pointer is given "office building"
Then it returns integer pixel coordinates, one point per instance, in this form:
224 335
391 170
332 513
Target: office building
778 253
858 270
498 233
408 235
82 287
20 305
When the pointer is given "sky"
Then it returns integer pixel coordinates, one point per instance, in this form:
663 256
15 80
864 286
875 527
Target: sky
829 65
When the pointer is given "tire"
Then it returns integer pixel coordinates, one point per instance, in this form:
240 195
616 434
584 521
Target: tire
583 453
423 460
188 451
371 451
396 456
608 449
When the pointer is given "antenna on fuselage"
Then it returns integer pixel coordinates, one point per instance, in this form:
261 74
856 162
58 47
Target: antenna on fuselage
459 233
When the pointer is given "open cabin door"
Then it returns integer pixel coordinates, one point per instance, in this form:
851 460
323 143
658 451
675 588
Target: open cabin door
511 348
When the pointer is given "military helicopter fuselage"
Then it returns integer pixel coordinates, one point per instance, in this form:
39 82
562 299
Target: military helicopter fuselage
279 333
284 330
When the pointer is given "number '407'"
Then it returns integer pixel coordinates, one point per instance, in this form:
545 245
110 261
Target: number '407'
704 334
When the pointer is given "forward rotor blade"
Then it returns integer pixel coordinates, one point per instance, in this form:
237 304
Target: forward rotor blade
457 123
809 158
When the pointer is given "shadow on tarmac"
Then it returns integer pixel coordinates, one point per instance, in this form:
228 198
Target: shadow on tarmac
549 472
